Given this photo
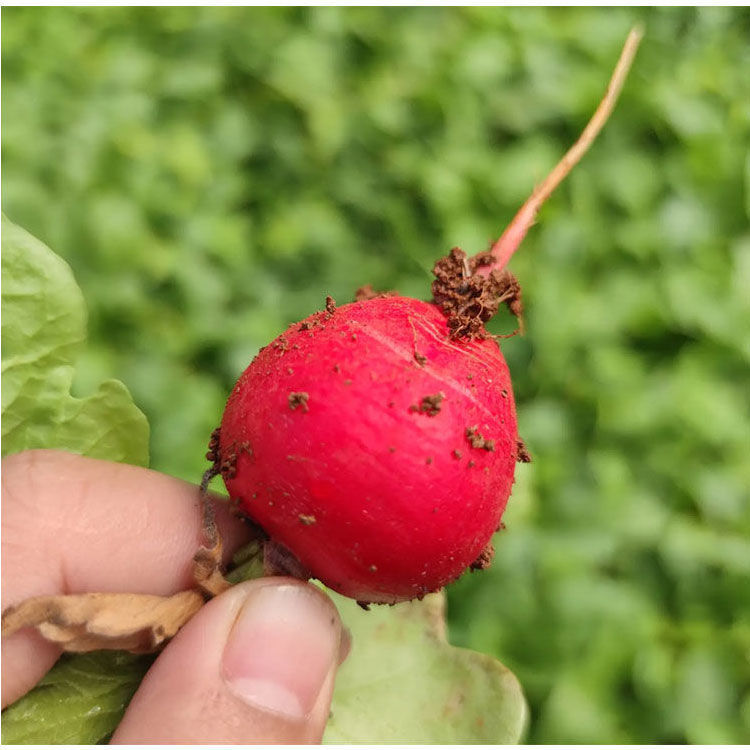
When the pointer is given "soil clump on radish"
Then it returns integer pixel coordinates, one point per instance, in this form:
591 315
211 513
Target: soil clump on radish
522 454
366 292
469 298
484 560
298 399
477 441
429 405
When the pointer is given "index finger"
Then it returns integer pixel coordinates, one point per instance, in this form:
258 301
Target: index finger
74 525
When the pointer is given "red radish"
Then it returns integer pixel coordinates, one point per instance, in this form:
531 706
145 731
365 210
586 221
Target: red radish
377 441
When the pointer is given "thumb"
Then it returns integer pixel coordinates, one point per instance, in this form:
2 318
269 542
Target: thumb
255 665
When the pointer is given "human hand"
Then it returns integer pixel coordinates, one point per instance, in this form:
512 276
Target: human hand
255 664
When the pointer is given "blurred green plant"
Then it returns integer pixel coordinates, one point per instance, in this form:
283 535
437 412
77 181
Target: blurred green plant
212 173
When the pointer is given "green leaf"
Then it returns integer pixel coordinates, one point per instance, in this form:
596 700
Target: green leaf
43 328
403 682
83 697
80 701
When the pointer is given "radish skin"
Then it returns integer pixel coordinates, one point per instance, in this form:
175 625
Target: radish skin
384 501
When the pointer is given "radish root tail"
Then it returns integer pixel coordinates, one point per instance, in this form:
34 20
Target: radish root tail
511 238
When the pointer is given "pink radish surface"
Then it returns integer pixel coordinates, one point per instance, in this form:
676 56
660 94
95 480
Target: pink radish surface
382 500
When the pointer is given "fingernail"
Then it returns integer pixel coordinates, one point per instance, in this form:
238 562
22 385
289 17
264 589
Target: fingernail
281 648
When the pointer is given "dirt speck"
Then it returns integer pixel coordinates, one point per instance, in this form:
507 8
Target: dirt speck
330 306
226 463
477 441
314 321
504 393
428 460
282 344
337 368
367 292
429 405
354 337
457 453
298 399
485 558
373 568
348 381
420 358
391 449
289 371
213 445
306 520
522 454
471 464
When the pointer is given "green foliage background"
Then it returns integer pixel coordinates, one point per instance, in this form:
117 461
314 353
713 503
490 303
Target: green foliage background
212 173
